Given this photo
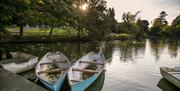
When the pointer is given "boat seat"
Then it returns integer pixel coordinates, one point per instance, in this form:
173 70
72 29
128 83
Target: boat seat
85 70
75 80
54 62
95 63
55 71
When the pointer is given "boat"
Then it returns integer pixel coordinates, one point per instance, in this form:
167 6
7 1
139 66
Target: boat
172 75
52 70
98 84
165 85
86 70
20 62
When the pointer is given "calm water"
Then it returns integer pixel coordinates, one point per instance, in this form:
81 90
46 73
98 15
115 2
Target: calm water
130 65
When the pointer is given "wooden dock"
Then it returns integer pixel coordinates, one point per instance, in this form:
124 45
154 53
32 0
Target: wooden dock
13 82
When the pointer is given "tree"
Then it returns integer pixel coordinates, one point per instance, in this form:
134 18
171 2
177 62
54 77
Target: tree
143 26
130 18
129 24
111 21
175 26
56 13
159 24
94 19
21 15
7 9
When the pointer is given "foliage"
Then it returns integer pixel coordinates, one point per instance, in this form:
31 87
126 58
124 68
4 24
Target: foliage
159 24
175 27
130 18
143 26
97 20
120 36
129 28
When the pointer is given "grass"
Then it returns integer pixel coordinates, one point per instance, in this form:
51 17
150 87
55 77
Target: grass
117 36
44 31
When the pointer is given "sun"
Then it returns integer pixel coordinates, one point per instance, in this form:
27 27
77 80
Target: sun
84 7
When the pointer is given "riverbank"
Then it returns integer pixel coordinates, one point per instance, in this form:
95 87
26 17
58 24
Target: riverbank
56 38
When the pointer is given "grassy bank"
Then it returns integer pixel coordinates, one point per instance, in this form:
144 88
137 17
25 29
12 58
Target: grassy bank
42 31
59 34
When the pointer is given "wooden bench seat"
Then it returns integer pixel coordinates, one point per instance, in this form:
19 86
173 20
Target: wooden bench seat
85 70
94 63
55 71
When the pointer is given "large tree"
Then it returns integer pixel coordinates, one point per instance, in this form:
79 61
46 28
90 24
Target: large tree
143 26
130 18
129 25
94 20
175 26
159 24
56 13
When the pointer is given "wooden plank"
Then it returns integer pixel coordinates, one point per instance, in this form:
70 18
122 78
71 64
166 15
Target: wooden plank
55 71
73 80
52 63
85 70
94 63
13 82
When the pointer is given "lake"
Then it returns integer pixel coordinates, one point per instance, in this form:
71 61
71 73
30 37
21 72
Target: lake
130 65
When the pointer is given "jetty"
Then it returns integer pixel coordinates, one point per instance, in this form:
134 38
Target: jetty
13 82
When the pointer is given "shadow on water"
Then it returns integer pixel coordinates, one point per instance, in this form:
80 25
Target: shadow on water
166 86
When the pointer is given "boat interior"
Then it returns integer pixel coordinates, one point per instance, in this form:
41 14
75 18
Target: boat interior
86 67
52 66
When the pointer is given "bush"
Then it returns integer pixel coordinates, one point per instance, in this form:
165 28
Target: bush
117 36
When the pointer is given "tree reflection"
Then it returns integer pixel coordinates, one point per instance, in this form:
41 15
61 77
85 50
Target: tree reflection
129 50
173 48
157 47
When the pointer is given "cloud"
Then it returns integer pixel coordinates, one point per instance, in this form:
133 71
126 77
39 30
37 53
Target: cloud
150 8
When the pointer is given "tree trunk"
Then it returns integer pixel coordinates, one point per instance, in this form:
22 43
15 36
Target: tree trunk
21 31
52 27
0 37
78 34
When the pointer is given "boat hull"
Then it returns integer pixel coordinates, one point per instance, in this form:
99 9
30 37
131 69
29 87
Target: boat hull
56 86
75 73
20 62
168 76
86 83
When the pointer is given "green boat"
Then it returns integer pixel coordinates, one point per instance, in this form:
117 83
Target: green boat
172 75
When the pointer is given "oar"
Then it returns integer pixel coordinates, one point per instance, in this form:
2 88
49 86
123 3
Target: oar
55 71
95 63
52 62
85 70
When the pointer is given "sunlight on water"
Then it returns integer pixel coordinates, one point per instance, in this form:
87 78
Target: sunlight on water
139 71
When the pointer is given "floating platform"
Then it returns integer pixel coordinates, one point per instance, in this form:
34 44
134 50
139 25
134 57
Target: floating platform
13 82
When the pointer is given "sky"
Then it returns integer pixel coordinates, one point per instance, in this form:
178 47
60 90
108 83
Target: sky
150 9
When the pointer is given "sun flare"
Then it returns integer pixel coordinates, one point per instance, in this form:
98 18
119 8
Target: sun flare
84 7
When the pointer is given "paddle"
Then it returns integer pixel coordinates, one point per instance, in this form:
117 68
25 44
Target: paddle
54 62
85 70
95 63
55 71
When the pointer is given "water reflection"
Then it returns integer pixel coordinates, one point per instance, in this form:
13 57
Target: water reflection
131 65
166 86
